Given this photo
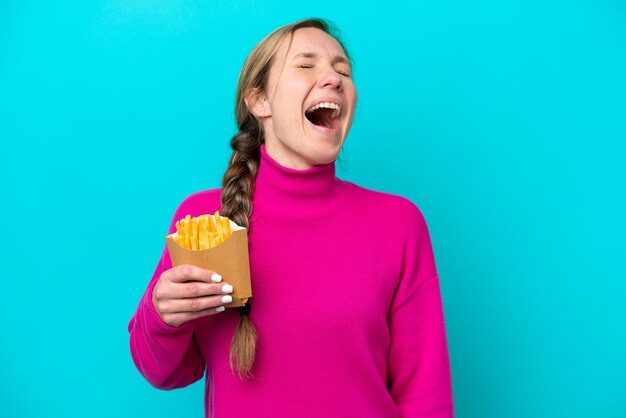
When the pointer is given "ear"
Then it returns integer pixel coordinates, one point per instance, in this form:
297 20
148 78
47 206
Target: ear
257 103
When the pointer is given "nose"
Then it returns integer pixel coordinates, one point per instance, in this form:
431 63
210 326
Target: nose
330 78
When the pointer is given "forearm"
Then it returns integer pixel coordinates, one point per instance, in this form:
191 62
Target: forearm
168 357
419 366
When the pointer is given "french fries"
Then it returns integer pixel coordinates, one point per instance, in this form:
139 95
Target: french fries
202 232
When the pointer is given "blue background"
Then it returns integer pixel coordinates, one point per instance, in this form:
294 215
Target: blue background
505 122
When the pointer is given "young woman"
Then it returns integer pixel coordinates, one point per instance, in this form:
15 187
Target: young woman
346 294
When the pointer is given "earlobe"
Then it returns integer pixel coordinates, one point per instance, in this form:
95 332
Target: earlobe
257 103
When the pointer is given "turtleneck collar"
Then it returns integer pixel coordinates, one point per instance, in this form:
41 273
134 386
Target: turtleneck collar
277 186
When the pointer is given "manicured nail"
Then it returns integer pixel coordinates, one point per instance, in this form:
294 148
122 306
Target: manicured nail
227 299
227 288
216 278
220 309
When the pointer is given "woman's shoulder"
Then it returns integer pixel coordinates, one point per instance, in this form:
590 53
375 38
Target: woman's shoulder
368 205
202 200
378 202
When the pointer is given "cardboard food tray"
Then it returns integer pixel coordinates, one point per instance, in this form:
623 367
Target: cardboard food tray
229 259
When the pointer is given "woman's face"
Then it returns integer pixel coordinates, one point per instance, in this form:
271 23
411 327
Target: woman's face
307 108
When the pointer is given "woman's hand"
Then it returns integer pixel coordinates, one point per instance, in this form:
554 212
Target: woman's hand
187 292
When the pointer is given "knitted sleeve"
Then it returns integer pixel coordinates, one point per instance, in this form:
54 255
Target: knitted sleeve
418 364
168 357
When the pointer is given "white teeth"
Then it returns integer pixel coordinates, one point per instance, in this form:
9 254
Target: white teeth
327 105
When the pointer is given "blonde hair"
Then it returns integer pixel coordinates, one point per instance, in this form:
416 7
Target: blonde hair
238 180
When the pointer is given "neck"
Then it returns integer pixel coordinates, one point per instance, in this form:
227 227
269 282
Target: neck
285 188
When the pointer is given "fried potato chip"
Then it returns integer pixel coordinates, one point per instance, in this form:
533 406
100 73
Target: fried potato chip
202 232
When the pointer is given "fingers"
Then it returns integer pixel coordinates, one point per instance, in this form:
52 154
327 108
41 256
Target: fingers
191 306
191 290
188 272
187 292
176 312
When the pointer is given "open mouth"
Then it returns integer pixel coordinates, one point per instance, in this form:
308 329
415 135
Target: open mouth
324 114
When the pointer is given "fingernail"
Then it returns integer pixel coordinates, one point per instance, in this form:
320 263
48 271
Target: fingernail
227 299
227 288
216 278
220 309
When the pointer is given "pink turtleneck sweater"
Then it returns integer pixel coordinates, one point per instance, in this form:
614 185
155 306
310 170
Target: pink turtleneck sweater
346 303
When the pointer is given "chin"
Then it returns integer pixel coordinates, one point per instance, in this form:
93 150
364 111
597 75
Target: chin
322 155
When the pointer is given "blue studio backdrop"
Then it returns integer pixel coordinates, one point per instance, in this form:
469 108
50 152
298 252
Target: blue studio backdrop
505 122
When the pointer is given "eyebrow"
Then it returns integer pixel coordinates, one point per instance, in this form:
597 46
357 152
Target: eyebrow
313 55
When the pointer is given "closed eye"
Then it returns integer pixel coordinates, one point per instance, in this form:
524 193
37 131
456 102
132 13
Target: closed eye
344 70
343 73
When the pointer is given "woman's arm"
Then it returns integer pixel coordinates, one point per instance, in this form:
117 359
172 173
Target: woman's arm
168 357
418 364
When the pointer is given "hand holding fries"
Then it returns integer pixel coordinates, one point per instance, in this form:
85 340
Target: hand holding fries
200 246
187 292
